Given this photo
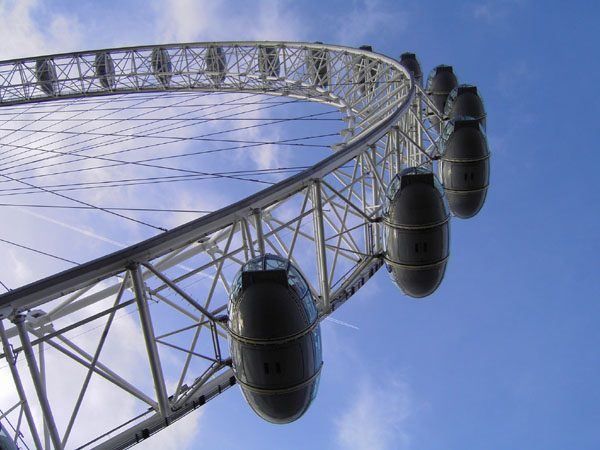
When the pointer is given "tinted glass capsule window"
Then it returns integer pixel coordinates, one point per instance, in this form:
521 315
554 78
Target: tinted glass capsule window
411 63
416 231
440 82
465 100
105 69
45 72
268 61
161 66
465 165
216 64
274 338
317 66
365 71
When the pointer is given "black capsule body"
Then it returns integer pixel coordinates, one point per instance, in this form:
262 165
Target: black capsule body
105 69
465 166
416 232
465 101
268 61
274 339
317 66
440 83
6 443
364 72
216 64
411 63
161 66
45 72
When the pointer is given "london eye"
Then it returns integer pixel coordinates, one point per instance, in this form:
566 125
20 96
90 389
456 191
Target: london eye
233 294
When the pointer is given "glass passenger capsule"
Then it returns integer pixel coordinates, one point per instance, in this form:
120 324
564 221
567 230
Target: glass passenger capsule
105 69
6 443
161 66
416 231
411 63
364 73
45 73
440 82
317 66
216 64
268 61
465 100
274 338
465 165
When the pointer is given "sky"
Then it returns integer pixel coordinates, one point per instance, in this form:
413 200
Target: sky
505 353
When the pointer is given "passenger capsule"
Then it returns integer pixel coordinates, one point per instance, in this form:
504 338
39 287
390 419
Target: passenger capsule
411 63
6 443
465 100
365 71
274 338
161 66
105 69
45 72
416 232
440 82
317 66
268 61
465 165
216 64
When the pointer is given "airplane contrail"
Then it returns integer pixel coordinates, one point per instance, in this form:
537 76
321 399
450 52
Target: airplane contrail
74 228
91 234
340 322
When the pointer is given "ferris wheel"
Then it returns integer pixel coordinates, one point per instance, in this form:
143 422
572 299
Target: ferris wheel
238 293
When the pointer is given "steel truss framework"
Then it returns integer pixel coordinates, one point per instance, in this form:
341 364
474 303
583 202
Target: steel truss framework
325 219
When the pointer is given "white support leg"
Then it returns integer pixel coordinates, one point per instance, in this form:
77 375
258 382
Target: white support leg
19 322
148 331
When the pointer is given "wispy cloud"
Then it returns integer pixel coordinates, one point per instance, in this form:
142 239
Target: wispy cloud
376 417
22 35
189 20
366 18
495 11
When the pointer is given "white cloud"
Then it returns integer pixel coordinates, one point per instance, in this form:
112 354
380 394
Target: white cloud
22 35
516 74
189 20
495 11
375 420
367 18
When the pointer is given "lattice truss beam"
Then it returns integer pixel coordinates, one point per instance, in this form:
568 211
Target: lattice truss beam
163 302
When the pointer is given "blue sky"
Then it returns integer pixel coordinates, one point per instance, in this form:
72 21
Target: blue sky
505 353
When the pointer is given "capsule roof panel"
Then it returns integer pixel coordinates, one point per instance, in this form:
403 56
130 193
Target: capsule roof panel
457 123
294 279
454 93
437 69
411 63
405 177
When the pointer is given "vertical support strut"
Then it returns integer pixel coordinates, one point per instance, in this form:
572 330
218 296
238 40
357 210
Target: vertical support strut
12 363
149 339
42 369
320 245
19 322
247 237
375 191
418 124
260 237
396 133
